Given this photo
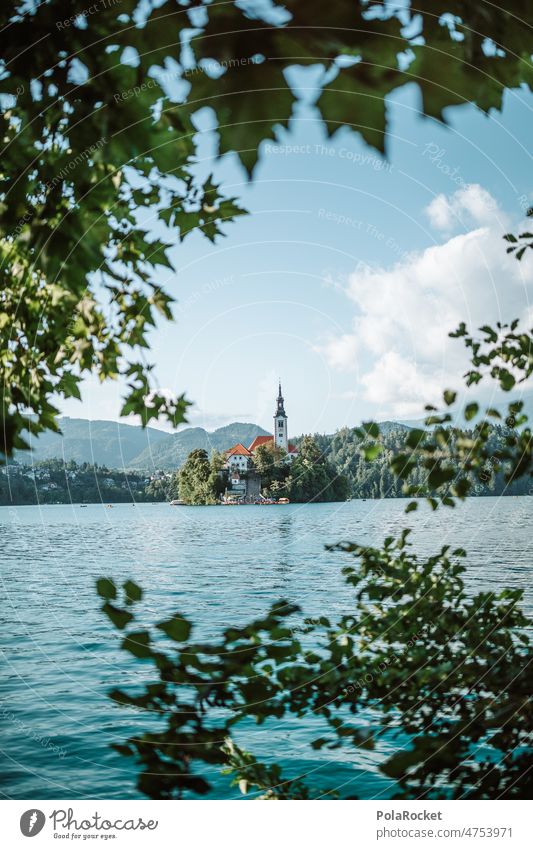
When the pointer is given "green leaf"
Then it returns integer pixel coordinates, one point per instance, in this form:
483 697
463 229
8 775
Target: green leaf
372 451
106 588
138 644
119 618
372 429
506 379
415 437
471 410
177 628
133 591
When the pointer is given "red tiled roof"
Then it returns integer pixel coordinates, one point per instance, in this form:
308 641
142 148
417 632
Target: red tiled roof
263 440
238 449
260 440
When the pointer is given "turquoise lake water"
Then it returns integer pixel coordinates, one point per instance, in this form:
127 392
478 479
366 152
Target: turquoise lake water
215 565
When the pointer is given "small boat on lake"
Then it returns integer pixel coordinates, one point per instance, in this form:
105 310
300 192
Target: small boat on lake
176 502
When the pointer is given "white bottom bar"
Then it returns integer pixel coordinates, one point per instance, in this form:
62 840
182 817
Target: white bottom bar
267 825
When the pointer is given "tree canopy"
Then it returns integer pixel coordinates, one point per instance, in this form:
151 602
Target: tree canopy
200 479
98 172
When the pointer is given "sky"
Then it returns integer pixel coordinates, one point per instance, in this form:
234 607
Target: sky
348 274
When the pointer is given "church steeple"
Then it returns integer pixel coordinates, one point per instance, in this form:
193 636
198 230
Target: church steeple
280 423
280 409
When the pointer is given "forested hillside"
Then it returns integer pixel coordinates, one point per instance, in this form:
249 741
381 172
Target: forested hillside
118 445
374 479
113 444
343 459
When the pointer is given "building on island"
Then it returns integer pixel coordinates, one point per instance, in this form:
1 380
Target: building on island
239 458
280 423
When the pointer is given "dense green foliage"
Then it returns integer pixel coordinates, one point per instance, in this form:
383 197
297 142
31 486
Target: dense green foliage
201 480
97 130
312 477
56 482
352 464
414 650
369 468
163 487
308 478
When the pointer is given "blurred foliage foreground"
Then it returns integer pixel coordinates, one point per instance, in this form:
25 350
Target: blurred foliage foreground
417 659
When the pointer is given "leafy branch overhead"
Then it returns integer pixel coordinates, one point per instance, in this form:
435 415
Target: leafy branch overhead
99 177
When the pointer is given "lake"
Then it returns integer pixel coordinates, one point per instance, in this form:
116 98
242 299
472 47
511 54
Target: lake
216 566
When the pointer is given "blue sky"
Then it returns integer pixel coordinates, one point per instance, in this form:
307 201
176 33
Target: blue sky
349 272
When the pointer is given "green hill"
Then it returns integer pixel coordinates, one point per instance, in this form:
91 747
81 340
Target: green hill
112 444
119 445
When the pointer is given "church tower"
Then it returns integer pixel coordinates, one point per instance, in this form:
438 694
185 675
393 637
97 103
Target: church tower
280 423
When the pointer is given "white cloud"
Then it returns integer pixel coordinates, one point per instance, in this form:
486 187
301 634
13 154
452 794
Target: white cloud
341 352
400 341
397 384
440 213
470 204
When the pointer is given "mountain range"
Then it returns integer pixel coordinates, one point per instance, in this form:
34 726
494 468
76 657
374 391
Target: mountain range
119 446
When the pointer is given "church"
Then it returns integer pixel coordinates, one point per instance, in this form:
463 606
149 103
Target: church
239 458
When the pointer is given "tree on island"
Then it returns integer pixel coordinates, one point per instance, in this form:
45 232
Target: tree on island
270 462
308 477
201 480
313 478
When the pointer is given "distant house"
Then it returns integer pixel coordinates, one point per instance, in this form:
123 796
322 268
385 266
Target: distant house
238 457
